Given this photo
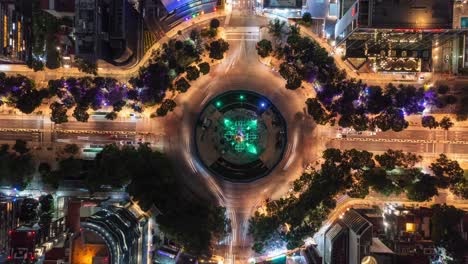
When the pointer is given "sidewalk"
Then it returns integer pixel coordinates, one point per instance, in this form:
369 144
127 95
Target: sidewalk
48 74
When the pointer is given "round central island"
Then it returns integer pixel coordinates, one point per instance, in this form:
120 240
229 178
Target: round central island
240 136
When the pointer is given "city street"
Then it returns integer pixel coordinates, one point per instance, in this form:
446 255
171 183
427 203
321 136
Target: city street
240 70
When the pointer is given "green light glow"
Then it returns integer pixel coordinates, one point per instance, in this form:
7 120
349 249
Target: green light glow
218 103
241 135
242 97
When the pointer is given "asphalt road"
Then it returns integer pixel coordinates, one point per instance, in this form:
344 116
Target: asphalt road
241 69
24 122
98 126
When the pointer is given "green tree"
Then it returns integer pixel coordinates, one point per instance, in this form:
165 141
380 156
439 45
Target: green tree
59 113
204 67
444 232
167 105
37 65
28 210
423 189
446 123
397 158
379 182
111 116
46 203
44 169
429 121
80 113
71 149
192 73
290 73
214 23
29 100
317 111
307 17
21 147
264 48
275 27
182 85
16 168
217 49
86 66
447 171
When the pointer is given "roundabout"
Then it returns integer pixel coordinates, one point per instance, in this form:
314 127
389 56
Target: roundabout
240 136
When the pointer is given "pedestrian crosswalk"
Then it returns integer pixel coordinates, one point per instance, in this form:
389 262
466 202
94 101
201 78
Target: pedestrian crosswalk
243 33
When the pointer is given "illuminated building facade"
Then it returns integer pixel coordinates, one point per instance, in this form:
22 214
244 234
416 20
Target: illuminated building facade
170 13
108 30
15 30
284 8
400 35
9 214
111 235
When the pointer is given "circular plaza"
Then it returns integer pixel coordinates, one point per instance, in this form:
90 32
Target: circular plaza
240 136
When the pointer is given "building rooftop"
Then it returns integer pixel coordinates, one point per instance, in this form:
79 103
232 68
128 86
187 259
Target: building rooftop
423 14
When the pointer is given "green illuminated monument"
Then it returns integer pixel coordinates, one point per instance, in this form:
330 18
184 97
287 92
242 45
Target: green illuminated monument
240 136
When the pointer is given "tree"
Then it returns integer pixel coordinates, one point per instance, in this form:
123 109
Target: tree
16 168
217 49
204 67
80 113
86 66
28 210
392 159
59 113
44 169
442 89
28 100
307 17
264 48
391 119
446 123
423 189
192 73
21 147
52 54
290 73
378 181
117 106
444 232
167 105
214 23
447 171
111 116
182 85
46 203
460 188
275 27
315 109
429 121
37 65
71 149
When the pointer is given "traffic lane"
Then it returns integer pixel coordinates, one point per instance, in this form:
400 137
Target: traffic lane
98 125
415 135
94 138
26 136
457 148
373 146
21 123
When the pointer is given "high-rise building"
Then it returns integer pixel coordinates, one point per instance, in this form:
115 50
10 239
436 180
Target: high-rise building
350 240
108 30
105 233
9 214
400 35
15 31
